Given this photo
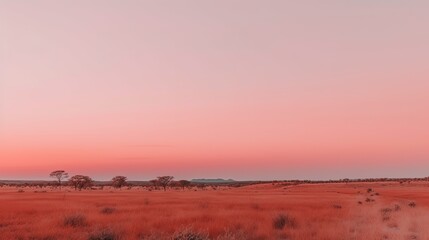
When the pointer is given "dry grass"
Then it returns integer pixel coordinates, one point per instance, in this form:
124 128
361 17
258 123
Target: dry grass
283 220
188 233
75 220
108 210
301 212
104 234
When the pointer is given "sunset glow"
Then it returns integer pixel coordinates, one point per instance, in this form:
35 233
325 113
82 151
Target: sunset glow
248 90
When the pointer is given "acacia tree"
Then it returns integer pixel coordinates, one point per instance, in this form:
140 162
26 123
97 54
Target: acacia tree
80 182
119 181
60 175
184 183
155 183
164 181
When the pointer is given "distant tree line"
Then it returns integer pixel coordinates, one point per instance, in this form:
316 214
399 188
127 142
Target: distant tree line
80 182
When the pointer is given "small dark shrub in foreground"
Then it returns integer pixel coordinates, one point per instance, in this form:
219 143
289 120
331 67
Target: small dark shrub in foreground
283 220
76 220
412 204
397 207
385 213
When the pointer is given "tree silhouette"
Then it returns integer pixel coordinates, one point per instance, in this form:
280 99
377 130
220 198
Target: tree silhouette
80 182
164 181
184 183
155 183
60 175
119 181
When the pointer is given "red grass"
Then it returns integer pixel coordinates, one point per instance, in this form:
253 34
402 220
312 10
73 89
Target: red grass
241 213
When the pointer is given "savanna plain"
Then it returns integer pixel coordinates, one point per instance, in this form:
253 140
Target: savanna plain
378 210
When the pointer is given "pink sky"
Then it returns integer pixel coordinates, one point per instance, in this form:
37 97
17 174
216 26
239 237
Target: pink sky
233 89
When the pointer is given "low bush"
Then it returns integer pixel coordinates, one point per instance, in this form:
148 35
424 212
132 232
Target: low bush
283 220
75 220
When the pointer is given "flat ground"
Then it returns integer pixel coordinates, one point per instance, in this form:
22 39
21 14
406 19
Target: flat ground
312 211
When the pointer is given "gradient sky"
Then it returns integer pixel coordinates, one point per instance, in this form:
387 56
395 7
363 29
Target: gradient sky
232 89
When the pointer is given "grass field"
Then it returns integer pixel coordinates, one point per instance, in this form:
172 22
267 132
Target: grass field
265 211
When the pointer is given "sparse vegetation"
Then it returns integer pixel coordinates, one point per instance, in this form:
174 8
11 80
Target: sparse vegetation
396 207
60 175
234 235
184 183
248 212
119 181
75 220
80 182
283 220
188 233
385 213
104 234
164 181
108 210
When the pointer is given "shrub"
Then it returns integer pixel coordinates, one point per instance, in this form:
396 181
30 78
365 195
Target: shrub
108 210
103 234
283 220
397 207
337 206
189 234
412 204
385 213
76 220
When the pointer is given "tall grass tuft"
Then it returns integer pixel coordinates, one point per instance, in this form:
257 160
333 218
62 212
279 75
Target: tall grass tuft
284 220
75 220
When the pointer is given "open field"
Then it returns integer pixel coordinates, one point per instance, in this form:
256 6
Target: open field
263 211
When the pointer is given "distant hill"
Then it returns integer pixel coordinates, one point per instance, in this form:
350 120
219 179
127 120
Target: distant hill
217 180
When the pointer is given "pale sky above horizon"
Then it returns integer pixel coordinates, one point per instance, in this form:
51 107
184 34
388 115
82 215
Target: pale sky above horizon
205 89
